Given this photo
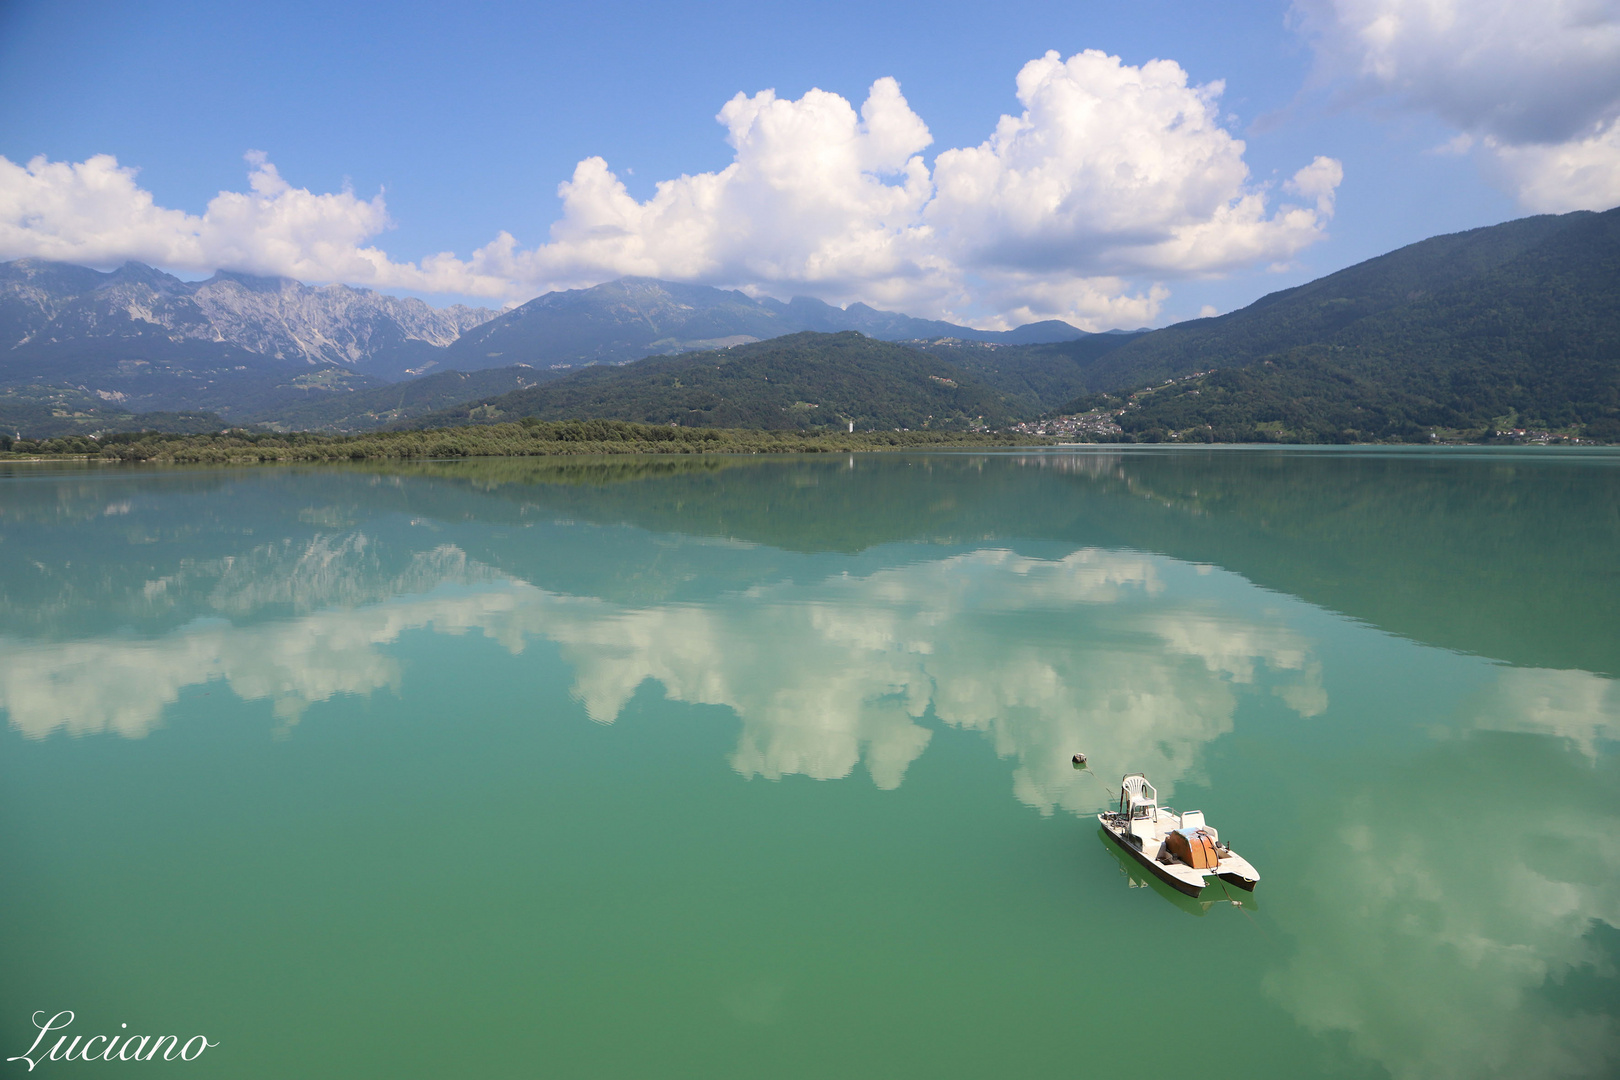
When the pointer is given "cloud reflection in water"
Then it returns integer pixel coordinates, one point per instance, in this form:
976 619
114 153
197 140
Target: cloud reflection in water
1044 656
1447 900
823 677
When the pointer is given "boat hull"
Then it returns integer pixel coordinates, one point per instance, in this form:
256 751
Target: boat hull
1152 867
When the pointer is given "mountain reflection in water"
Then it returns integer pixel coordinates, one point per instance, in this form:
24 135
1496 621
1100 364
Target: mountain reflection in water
1426 640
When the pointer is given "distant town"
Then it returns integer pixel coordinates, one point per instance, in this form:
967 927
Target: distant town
1096 423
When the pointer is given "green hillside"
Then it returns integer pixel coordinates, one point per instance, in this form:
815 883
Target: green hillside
48 412
367 410
798 382
1033 378
1512 326
1319 310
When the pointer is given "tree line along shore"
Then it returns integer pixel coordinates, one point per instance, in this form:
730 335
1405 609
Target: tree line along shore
527 438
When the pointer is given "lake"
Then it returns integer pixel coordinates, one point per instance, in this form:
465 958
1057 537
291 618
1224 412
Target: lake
751 767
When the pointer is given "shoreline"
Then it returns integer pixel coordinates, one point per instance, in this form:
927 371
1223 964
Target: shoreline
632 449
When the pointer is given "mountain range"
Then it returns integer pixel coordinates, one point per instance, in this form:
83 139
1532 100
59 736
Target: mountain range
82 349
633 317
47 308
1510 326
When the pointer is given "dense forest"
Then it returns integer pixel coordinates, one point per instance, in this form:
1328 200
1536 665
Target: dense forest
1032 379
397 403
1307 397
799 382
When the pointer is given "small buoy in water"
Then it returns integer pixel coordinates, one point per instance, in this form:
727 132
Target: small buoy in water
1079 761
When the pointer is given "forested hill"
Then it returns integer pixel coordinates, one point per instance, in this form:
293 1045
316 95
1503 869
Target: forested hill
1517 325
800 381
1033 378
398 403
632 318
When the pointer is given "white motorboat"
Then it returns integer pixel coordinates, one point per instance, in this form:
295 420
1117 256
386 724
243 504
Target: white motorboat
1179 849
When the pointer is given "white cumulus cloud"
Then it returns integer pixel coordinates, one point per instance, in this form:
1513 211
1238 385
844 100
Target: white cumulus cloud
1534 87
1111 179
1112 169
1581 174
95 213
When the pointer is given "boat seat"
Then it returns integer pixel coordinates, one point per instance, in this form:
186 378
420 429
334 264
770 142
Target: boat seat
1192 819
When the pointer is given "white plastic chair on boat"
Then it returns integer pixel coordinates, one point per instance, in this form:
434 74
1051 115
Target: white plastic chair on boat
1139 793
1141 807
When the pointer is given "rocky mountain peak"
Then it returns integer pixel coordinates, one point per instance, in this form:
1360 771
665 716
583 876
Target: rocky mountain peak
253 282
274 316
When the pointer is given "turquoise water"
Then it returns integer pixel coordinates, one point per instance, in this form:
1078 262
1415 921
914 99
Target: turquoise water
744 767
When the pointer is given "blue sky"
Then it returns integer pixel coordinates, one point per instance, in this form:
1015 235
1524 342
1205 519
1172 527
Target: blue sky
466 118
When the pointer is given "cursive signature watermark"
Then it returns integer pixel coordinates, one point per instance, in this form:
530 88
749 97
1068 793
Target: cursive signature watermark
128 1047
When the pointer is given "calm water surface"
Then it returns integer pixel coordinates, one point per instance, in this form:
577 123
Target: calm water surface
751 768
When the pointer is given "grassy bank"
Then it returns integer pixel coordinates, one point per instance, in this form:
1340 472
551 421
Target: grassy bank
526 439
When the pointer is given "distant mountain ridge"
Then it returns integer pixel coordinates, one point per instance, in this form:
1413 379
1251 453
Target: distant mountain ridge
59 307
137 340
85 350
58 304
624 320
82 349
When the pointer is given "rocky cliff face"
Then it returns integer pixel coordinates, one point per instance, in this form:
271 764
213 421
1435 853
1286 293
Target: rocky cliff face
45 303
333 323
